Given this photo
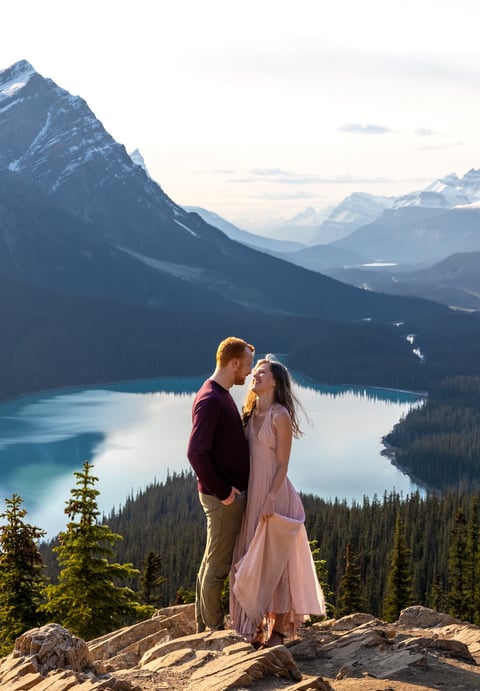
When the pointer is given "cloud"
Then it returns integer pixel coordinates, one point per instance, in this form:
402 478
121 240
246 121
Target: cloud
277 176
285 196
282 177
270 171
356 128
424 132
441 146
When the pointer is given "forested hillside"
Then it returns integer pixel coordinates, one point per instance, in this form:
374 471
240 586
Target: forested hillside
51 340
439 443
167 519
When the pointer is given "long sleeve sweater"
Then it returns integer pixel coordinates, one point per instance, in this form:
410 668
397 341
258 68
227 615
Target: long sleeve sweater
217 448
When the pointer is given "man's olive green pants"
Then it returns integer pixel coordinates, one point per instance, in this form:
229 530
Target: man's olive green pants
223 524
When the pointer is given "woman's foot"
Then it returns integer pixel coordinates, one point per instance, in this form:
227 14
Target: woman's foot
276 638
259 639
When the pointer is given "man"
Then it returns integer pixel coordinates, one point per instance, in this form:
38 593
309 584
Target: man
218 453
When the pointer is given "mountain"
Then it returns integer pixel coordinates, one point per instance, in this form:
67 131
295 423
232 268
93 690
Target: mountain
301 227
104 228
421 227
455 281
445 193
243 236
417 234
322 258
354 211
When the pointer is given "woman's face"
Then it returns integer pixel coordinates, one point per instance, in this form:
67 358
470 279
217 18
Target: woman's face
262 380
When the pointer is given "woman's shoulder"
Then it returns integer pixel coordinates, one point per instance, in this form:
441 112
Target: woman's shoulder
280 413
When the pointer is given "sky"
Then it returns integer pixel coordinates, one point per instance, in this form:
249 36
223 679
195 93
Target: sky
257 110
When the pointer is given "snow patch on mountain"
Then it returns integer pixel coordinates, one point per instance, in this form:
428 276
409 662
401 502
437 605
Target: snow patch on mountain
356 210
15 78
360 208
186 273
474 206
138 159
186 228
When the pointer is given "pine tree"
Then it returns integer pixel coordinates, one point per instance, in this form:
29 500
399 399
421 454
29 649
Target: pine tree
458 591
322 575
473 564
21 577
87 599
184 597
399 583
350 599
151 580
436 598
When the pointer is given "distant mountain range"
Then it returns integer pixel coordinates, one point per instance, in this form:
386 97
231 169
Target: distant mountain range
243 236
105 264
411 232
454 281
353 212
83 217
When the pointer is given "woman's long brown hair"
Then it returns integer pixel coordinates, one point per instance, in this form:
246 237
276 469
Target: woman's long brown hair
283 394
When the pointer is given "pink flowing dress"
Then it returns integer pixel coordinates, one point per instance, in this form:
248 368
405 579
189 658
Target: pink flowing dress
273 569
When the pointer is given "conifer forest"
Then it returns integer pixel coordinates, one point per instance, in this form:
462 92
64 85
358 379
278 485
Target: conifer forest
378 556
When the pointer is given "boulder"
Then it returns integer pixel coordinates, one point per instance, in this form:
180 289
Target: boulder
424 618
53 647
351 621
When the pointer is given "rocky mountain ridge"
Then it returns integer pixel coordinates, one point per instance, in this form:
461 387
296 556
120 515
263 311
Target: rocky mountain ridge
419 228
79 216
422 651
445 193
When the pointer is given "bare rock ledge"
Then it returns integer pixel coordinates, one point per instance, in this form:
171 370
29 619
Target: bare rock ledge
422 651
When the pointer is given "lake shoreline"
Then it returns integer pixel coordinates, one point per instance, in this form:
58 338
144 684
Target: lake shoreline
134 432
392 453
300 377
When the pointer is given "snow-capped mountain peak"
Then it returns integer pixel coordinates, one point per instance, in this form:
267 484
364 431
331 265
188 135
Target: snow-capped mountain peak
50 135
138 159
445 193
14 79
359 208
356 210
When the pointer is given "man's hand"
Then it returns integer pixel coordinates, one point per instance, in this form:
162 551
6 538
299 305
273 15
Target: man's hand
231 498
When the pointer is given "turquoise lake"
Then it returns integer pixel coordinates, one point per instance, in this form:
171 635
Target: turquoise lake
136 432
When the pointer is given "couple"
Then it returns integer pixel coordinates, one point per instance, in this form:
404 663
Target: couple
260 540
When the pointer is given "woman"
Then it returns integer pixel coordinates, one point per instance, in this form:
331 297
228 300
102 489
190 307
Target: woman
273 575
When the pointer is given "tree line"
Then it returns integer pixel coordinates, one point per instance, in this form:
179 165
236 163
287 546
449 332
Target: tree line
53 340
438 443
167 518
104 572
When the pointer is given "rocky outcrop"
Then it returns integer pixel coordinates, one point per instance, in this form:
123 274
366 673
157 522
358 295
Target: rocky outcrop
424 649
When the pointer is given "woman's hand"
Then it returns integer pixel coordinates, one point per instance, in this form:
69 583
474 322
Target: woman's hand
268 508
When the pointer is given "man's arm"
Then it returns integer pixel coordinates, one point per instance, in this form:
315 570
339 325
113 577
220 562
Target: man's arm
205 420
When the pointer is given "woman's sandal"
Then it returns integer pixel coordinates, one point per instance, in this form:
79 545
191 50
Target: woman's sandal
259 639
276 638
